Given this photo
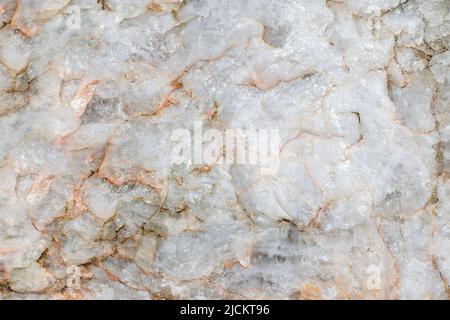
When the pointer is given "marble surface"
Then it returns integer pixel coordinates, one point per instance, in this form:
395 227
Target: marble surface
92 205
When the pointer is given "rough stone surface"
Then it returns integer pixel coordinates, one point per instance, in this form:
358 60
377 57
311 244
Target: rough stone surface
92 207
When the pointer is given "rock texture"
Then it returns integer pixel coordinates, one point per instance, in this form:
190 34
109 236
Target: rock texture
91 206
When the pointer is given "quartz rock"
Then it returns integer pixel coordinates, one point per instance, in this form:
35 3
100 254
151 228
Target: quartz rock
355 204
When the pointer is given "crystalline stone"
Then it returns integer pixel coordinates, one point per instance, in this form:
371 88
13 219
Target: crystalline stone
92 205
14 51
31 279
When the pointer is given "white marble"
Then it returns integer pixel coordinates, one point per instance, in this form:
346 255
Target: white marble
92 205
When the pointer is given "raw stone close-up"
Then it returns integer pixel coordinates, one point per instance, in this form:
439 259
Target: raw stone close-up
93 205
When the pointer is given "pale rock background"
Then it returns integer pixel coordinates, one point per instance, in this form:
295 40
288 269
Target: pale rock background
92 208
